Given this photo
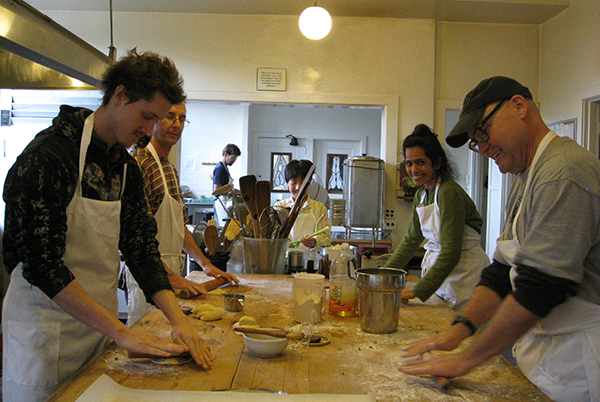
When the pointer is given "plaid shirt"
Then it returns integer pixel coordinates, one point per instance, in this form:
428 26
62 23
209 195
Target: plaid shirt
153 184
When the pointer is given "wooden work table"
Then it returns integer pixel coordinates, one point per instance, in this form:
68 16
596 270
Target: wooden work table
353 363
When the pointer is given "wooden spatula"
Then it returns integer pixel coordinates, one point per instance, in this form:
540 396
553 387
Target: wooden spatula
248 190
300 199
211 233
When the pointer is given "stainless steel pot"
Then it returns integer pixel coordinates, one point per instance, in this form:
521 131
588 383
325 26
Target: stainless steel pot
380 291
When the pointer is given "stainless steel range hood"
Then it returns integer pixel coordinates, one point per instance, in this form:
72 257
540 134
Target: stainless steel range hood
37 53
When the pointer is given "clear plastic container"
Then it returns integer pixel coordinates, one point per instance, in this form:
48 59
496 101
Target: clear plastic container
343 293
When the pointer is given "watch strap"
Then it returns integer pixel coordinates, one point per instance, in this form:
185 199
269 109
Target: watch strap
464 320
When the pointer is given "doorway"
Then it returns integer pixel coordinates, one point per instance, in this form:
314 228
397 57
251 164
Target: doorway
590 132
487 187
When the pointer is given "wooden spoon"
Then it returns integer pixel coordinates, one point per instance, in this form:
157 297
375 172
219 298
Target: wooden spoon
211 233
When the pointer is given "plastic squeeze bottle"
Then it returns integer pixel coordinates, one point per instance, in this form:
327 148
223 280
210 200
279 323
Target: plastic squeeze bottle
343 293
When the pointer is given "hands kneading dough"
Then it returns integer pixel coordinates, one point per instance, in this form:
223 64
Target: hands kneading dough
207 312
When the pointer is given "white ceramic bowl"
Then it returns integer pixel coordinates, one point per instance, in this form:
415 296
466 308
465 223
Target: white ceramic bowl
265 345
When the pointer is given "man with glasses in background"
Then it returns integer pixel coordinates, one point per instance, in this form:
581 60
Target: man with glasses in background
542 291
168 209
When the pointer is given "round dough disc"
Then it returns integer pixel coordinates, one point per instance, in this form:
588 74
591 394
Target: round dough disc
172 361
217 291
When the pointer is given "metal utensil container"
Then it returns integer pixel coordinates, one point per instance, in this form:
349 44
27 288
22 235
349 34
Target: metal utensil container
380 291
264 256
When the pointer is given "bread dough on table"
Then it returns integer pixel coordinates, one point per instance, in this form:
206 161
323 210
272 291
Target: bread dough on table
172 361
211 315
200 308
245 321
217 291
207 312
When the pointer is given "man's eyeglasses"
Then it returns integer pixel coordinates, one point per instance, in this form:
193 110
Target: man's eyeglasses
479 134
172 119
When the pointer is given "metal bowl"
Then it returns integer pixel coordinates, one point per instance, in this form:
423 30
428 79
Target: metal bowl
381 279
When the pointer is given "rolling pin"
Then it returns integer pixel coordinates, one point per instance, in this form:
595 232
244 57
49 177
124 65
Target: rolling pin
278 333
210 285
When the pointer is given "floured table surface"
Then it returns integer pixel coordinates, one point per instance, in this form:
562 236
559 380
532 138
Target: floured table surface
354 362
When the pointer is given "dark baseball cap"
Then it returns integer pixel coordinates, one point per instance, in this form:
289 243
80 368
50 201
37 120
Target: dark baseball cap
488 91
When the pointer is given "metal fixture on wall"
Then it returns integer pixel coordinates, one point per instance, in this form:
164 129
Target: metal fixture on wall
38 53
315 22
112 51
364 192
293 140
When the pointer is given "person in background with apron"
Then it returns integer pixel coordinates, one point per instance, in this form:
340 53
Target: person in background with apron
169 212
542 291
313 215
74 198
444 215
222 177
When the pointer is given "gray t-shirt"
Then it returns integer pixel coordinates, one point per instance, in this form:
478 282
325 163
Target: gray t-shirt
558 228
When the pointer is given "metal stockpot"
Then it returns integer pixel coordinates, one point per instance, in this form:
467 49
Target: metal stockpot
379 299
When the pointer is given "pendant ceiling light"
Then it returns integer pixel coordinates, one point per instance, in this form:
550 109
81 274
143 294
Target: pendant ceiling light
315 22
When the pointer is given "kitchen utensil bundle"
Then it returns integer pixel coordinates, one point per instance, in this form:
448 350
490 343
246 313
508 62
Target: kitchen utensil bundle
265 222
215 242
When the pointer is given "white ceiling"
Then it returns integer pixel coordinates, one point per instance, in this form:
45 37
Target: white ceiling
492 11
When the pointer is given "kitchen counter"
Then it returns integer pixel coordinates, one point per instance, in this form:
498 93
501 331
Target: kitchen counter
353 363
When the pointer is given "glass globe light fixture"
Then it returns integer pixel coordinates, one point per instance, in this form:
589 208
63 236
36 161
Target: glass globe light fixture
315 23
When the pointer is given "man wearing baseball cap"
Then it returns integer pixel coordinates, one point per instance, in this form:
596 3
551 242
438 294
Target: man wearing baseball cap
542 291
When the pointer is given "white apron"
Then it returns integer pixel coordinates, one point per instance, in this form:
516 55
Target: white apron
460 284
561 353
43 345
170 236
306 223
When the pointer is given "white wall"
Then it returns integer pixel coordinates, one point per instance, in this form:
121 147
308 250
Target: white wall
211 127
415 68
363 61
570 62
467 53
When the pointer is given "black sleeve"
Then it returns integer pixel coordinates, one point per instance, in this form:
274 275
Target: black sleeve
539 292
496 277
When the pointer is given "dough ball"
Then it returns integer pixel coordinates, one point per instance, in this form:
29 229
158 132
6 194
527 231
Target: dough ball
203 307
247 321
211 315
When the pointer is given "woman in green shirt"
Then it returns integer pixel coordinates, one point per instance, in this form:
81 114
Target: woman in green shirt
445 216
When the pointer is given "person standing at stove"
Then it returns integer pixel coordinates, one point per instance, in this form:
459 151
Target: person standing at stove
221 177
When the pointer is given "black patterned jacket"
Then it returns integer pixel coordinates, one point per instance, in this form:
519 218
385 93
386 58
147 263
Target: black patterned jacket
39 187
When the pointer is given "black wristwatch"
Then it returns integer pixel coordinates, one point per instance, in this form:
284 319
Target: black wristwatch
464 320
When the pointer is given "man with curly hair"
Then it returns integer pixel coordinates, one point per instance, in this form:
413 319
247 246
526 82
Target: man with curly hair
74 198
